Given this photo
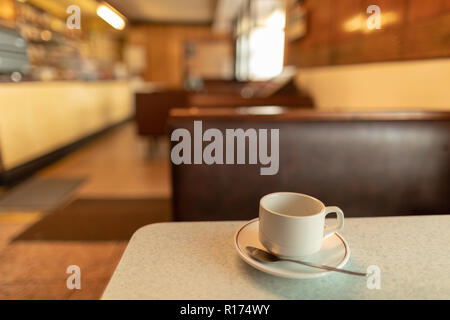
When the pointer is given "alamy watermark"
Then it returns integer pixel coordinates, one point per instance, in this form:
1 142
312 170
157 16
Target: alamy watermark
373 277
74 280
74 20
374 21
234 140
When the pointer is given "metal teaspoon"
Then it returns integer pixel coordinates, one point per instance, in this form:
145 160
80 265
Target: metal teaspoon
264 256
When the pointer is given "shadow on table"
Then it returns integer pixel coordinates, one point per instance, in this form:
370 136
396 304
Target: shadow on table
333 286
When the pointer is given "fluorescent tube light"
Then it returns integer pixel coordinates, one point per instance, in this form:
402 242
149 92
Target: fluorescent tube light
111 16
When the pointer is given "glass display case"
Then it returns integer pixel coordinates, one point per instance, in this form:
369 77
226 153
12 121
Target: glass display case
52 50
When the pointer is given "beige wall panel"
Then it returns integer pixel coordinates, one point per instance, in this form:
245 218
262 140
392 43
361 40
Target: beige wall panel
37 118
421 84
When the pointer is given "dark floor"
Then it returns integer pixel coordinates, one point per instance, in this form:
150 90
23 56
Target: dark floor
125 188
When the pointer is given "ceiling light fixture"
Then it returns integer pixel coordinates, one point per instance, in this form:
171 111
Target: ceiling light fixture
111 16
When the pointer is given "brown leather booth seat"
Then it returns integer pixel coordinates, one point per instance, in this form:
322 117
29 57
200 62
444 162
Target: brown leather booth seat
152 108
368 164
223 100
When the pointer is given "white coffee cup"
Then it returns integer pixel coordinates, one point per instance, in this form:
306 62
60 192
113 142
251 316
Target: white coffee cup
293 224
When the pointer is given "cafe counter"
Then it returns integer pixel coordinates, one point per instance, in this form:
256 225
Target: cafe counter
38 118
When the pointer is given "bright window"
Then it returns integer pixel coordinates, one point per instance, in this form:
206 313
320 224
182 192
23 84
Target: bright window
260 40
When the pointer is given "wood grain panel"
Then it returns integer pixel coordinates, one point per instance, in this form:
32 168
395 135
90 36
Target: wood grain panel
420 10
427 39
337 32
165 48
344 12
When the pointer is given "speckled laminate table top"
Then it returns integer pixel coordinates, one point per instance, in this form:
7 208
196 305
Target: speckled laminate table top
197 260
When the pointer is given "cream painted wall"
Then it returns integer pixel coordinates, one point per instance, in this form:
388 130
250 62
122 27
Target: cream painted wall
421 84
37 118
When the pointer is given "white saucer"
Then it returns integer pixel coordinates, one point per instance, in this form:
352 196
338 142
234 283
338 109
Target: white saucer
335 252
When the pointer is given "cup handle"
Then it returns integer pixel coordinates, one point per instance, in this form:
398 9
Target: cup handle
329 230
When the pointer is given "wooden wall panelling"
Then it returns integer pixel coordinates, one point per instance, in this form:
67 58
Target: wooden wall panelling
165 48
337 32
419 10
427 38
316 38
